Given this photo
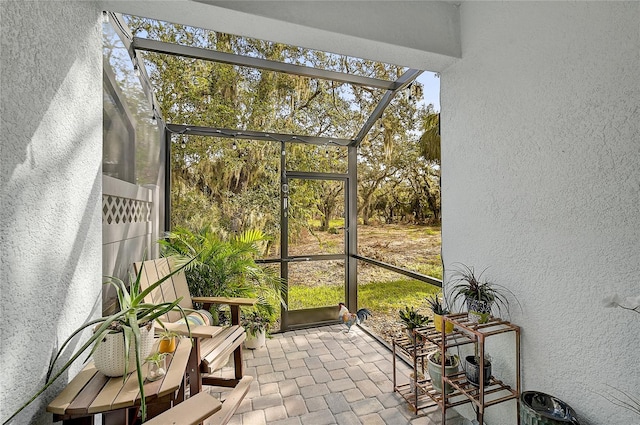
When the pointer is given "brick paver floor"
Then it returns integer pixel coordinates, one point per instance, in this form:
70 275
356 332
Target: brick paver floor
326 376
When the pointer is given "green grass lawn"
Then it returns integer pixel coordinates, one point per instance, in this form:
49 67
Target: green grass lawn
381 297
334 222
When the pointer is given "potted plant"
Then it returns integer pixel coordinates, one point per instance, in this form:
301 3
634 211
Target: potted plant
412 320
416 377
157 365
256 325
434 366
126 326
167 341
224 266
439 309
479 294
472 368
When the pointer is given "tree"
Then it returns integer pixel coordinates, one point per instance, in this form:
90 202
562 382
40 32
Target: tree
229 181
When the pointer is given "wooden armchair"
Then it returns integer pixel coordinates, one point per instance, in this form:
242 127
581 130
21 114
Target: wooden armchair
212 344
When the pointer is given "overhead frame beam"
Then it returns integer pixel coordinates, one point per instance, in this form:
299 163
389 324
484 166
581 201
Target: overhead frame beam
405 79
251 62
124 33
256 135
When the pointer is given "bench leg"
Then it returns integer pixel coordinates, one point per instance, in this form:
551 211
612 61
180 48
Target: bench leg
193 368
120 417
158 407
237 354
237 361
87 420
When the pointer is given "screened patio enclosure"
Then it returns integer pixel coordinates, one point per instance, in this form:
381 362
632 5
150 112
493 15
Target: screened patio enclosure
324 159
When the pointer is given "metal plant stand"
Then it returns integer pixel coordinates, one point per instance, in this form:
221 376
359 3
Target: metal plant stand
420 394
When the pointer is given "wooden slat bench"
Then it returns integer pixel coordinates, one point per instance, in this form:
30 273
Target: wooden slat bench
231 403
204 407
190 412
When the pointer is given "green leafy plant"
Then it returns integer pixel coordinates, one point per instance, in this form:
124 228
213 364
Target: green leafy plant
156 358
156 371
449 359
412 318
167 334
465 284
224 265
134 314
256 321
436 305
617 396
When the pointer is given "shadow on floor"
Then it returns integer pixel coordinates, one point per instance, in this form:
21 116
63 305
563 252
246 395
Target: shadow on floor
325 376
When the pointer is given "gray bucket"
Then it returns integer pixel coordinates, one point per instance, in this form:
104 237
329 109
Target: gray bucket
538 408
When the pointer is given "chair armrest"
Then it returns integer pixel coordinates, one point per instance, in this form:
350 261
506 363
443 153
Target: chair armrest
197 331
234 303
225 300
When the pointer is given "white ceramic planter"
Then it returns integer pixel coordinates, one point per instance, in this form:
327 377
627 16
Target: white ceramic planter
256 341
109 356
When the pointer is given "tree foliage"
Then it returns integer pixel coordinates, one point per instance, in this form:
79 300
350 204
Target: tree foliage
235 183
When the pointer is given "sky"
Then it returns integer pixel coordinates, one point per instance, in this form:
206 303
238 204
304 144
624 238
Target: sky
431 88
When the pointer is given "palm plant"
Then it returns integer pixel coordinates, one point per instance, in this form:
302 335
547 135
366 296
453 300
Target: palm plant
134 314
224 265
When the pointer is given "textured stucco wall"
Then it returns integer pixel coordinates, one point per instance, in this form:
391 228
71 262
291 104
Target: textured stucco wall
541 182
50 199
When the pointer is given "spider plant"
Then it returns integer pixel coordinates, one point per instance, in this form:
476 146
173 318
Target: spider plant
134 314
473 288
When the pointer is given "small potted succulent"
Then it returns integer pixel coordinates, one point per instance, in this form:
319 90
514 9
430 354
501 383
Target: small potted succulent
157 366
412 320
167 341
439 309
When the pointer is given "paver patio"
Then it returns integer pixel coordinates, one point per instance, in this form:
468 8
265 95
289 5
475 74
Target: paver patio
324 376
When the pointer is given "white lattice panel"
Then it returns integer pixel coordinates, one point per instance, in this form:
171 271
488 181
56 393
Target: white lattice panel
117 210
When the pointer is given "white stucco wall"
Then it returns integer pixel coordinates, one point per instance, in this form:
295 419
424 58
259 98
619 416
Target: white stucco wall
541 182
50 199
